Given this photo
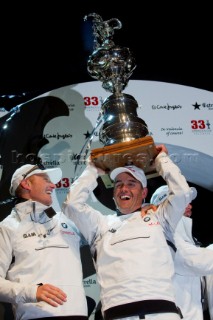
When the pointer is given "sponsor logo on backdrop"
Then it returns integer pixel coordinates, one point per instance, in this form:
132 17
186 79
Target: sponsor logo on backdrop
196 106
87 134
71 106
204 105
166 107
58 136
172 131
93 103
57 159
208 106
89 282
201 127
64 183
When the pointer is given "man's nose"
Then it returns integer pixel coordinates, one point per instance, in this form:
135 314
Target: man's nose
124 186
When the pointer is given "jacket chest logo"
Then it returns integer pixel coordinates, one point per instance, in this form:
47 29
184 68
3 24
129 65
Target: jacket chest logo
28 235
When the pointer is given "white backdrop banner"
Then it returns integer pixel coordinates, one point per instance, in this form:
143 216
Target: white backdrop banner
180 117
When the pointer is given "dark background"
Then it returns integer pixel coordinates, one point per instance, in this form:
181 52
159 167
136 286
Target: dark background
47 47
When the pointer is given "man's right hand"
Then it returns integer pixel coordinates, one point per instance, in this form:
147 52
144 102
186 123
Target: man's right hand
100 171
161 148
51 295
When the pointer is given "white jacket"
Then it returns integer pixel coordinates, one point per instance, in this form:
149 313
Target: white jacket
133 260
28 259
191 263
209 289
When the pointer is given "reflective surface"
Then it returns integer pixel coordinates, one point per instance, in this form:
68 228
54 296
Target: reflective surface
113 65
121 121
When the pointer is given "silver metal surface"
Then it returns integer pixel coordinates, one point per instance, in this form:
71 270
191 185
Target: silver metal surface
121 122
113 65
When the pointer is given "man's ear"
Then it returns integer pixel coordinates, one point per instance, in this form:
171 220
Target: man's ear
145 192
25 184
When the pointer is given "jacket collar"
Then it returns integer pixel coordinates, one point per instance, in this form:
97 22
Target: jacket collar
31 208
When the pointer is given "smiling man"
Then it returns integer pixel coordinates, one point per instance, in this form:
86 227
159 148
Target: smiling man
130 188
133 262
40 265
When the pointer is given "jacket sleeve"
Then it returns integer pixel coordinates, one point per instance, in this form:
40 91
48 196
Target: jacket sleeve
12 292
89 221
192 260
180 195
209 288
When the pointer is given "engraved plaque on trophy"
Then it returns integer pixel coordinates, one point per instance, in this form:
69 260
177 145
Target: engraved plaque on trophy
123 134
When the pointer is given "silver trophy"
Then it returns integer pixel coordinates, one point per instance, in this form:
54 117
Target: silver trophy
123 133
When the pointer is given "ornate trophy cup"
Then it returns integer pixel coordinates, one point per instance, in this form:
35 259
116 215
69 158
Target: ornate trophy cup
124 134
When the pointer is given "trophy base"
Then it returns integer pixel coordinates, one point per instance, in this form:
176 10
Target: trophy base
139 152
